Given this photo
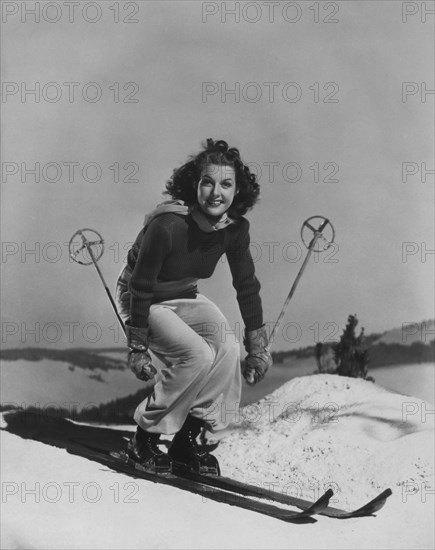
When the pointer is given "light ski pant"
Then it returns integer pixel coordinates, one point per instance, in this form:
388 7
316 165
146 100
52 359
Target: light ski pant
201 366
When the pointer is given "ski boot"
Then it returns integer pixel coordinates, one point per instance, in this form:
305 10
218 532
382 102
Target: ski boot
143 449
186 453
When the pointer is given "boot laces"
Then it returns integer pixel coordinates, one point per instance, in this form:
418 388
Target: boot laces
152 445
198 450
149 444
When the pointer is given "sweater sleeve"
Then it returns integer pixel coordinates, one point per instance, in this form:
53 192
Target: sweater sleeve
155 246
244 280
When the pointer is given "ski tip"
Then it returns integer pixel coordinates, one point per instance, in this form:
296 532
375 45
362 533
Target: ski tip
374 505
320 503
323 501
329 493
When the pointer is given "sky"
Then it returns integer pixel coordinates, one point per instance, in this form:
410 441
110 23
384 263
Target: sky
330 104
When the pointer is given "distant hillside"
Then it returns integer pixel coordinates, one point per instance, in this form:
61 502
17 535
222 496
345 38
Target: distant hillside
380 354
412 343
82 358
117 411
409 333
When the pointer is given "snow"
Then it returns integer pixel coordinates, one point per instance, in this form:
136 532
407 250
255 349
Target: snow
310 433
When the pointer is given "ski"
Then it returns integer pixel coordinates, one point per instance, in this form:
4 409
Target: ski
121 463
368 509
222 483
84 439
230 484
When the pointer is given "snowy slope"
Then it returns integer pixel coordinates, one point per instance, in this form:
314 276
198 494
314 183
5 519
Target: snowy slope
311 432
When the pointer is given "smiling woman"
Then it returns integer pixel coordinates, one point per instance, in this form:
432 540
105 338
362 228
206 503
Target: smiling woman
199 385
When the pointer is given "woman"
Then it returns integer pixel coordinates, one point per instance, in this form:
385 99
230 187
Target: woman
181 242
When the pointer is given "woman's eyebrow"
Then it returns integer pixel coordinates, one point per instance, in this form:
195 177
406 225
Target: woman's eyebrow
206 176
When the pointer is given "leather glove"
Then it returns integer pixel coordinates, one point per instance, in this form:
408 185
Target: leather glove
258 360
139 360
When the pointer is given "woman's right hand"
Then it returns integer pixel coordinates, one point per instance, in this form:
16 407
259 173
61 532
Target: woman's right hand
140 364
139 360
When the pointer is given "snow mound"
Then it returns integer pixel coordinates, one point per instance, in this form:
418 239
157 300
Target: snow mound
326 431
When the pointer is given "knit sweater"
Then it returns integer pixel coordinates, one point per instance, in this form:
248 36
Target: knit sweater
172 249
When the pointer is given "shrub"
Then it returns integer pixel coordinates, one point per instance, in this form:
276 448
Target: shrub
351 354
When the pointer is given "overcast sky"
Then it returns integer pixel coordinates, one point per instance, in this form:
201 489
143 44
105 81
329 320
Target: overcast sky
328 97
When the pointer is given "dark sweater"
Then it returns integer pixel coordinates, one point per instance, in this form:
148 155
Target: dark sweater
173 248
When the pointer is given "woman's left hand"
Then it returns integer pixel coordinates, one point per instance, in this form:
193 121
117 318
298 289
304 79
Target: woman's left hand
256 367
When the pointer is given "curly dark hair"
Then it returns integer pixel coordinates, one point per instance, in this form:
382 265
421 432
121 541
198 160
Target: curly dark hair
183 183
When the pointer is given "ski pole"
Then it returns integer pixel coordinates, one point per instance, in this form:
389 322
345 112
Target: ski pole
318 234
87 245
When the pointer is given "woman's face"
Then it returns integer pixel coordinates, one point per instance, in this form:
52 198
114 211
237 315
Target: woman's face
216 189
